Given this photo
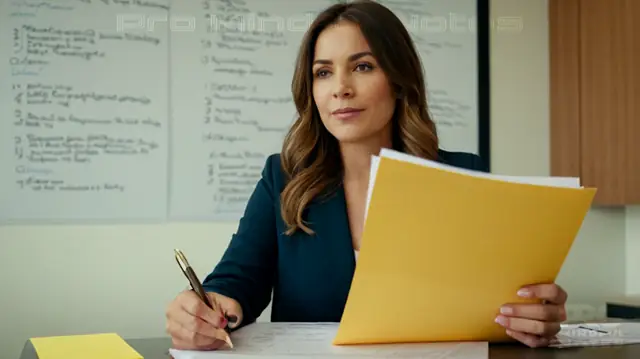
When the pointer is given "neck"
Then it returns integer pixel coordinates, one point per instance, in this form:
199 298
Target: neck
356 158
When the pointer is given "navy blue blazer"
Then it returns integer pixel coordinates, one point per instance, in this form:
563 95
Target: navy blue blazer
309 275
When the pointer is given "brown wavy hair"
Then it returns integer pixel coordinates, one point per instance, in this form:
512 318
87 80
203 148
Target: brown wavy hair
310 155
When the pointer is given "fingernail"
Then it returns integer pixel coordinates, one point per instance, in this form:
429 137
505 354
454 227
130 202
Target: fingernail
524 292
501 320
506 310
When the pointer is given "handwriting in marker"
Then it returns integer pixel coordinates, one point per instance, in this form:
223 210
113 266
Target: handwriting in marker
85 121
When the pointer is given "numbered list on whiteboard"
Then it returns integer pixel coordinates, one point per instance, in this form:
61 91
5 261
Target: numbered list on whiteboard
84 109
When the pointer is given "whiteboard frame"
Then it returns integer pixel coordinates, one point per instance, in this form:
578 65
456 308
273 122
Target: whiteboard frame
483 33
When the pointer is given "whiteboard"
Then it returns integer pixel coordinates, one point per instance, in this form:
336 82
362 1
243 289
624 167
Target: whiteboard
159 109
84 112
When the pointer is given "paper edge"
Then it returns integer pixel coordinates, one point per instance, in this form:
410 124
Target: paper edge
569 182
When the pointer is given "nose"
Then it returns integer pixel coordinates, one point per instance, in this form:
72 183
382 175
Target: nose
343 87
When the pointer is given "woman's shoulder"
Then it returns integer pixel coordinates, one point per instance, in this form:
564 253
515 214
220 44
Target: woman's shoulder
466 160
272 173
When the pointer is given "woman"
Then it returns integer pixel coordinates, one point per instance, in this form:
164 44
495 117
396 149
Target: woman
358 87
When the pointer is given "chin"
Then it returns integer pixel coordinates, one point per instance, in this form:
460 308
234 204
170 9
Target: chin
346 137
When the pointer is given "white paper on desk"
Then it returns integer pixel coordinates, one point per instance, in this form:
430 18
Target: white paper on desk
597 334
571 182
314 340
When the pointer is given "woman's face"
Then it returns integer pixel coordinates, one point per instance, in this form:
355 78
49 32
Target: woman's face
352 93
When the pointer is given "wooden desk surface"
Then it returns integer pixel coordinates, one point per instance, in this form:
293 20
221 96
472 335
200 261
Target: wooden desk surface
157 348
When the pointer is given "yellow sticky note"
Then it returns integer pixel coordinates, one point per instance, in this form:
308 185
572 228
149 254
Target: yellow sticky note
94 346
442 251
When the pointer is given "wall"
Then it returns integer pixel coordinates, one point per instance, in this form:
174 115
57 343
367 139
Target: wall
595 268
633 250
60 280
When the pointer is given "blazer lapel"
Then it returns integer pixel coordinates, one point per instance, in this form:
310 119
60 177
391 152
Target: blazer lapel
329 219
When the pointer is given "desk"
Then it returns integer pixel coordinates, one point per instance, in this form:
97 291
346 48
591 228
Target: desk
156 348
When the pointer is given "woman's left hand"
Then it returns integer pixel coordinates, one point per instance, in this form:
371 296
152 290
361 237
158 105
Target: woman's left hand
535 324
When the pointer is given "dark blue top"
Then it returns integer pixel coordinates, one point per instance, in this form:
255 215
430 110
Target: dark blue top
310 275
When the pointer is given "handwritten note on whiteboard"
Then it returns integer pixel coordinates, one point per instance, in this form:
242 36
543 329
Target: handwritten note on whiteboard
313 340
444 33
232 101
84 112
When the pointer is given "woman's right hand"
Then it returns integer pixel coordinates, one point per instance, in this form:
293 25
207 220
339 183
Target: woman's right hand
194 326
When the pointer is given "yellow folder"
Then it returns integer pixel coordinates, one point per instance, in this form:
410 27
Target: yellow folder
442 251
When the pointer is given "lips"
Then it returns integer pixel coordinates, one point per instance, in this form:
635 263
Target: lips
347 113
346 110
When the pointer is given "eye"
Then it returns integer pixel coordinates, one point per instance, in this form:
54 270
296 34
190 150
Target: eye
322 73
364 67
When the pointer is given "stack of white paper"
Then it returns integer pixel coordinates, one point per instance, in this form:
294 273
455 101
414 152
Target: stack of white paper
313 340
597 334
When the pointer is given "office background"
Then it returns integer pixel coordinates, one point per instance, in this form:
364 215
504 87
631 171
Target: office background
62 279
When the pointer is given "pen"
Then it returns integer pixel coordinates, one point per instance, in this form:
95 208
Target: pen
196 286
593 329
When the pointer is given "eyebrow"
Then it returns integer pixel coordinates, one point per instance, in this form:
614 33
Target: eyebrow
351 58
